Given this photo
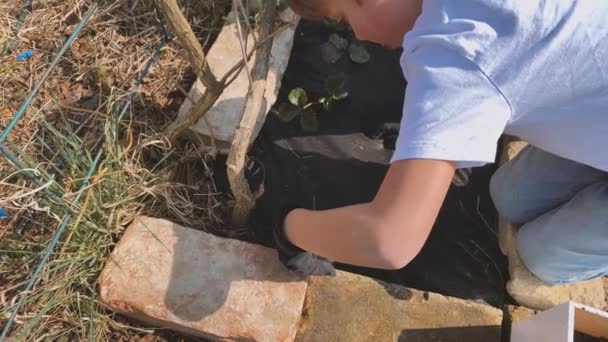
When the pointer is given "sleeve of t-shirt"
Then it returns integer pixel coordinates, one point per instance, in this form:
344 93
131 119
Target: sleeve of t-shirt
452 110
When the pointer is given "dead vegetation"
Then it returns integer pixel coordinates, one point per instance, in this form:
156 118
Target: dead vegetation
74 123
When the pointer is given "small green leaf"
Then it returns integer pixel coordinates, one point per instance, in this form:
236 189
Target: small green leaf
326 102
340 95
339 42
335 83
330 53
309 121
358 53
287 112
298 97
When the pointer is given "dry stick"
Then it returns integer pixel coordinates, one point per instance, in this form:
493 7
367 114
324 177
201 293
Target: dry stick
236 69
200 108
178 24
242 37
253 114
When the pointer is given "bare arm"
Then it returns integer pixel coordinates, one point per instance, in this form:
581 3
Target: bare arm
387 232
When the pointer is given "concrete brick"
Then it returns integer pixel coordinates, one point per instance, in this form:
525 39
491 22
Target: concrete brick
202 285
353 308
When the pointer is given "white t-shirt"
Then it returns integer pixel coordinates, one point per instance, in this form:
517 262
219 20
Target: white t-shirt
537 70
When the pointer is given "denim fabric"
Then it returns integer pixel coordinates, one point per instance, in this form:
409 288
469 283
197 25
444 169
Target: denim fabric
562 207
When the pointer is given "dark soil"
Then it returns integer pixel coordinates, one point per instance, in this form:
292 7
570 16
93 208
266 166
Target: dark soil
345 161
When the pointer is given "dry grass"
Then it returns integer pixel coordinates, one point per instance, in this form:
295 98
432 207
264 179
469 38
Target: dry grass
75 115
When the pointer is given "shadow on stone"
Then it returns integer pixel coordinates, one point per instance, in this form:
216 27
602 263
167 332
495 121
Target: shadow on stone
396 291
206 271
201 284
478 333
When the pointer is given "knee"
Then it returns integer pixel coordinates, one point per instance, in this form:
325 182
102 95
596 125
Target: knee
549 260
503 192
538 258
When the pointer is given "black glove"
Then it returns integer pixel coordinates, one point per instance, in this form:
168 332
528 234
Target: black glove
286 249
295 258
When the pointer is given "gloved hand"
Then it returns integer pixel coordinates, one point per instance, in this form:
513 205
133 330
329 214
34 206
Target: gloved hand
295 258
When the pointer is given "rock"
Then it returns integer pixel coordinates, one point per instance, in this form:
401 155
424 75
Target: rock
518 313
512 315
350 307
200 284
221 121
527 289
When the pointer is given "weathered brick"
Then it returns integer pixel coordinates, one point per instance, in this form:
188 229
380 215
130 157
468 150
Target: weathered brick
201 284
353 308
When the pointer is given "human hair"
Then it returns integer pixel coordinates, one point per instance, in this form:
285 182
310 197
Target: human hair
310 9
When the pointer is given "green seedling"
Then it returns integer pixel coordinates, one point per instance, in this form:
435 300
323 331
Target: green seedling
337 46
300 107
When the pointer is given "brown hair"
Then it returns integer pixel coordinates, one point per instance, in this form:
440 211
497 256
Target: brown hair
310 9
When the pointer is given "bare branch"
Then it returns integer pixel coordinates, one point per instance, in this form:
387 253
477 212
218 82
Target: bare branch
179 26
181 29
253 114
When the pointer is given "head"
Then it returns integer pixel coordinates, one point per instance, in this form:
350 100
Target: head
380 21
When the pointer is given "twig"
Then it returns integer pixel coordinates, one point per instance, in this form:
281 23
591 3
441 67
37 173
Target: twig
178 24
242 37
211 95
233 73
253 114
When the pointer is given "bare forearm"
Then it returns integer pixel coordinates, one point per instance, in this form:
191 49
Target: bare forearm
385 233
353 235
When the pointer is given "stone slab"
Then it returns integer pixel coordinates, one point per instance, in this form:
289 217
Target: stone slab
200 284
221 121
353 308
527 289
515 313
512 315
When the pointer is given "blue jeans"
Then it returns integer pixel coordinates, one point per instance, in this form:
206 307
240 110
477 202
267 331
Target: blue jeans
562 207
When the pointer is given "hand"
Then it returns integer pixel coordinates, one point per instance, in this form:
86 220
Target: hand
295 258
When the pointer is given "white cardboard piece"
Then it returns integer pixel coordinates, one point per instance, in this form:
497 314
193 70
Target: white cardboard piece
559 324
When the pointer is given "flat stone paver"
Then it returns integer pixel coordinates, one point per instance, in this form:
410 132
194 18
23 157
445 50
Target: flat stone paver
515 314
353 308
202 285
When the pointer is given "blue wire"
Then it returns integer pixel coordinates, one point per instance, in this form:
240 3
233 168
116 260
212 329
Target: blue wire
49 249
25 11
143 74
34 92
20 166
66 219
